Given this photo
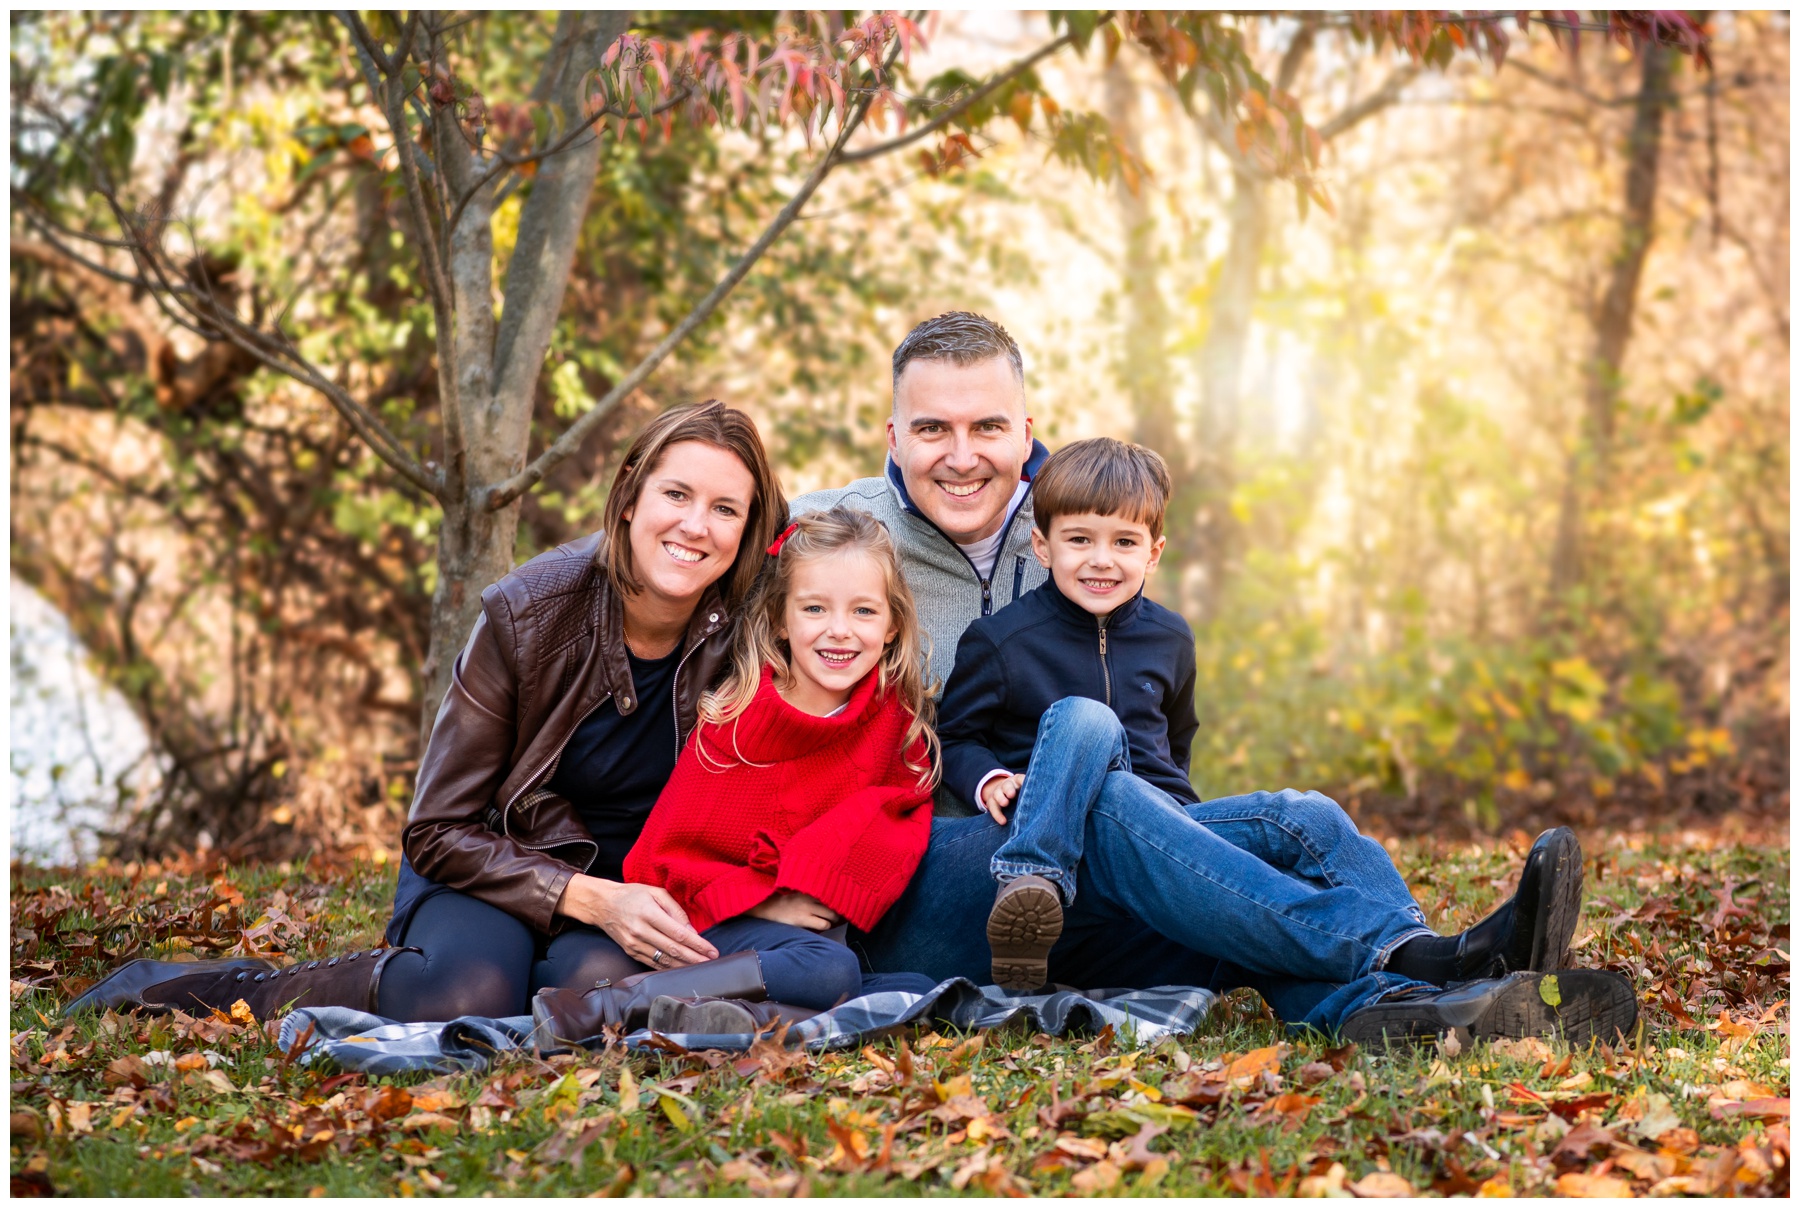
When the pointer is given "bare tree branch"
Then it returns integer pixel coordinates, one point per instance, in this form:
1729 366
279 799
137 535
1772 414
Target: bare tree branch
443 296
506 163
550 219
505 492
1369 106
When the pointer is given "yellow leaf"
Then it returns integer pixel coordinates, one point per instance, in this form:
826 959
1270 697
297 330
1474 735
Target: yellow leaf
628 1091
676 1116
241 1013
959 1085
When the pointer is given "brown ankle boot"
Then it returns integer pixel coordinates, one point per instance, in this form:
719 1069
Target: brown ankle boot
722 1016
351 980
1023 926
570 1016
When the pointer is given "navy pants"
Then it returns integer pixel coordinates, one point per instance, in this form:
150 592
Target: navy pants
476 959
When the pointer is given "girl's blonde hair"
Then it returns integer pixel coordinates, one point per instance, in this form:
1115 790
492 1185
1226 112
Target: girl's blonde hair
902 666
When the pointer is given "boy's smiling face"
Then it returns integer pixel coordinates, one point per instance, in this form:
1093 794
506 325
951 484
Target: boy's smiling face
1097 561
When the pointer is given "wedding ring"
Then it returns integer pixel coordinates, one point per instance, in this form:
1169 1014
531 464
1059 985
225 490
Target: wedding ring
656 957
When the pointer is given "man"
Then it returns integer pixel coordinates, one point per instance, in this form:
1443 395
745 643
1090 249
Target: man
956 495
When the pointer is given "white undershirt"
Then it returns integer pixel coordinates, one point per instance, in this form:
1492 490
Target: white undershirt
985 552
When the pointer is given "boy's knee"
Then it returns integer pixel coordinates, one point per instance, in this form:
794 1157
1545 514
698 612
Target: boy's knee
1083 714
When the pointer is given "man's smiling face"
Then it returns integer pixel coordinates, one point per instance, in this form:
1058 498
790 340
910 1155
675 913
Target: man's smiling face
960 435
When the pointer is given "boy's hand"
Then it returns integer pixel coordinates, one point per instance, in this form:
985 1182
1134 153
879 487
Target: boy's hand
999 793
797 910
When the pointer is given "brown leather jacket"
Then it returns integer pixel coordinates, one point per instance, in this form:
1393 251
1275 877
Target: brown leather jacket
548 648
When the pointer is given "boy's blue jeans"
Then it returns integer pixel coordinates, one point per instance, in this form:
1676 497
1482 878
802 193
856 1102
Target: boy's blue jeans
1275 891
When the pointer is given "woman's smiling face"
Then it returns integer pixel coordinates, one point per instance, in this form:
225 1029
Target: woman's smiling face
689 520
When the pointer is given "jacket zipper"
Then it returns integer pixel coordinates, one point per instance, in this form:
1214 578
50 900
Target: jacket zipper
1105 671
987 584
1018 574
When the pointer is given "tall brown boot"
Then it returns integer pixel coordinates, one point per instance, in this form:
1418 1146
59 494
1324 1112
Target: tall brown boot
123 988
570 1016
351 980
722 1016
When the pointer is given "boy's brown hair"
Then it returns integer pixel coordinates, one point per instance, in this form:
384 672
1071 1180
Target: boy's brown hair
1105 477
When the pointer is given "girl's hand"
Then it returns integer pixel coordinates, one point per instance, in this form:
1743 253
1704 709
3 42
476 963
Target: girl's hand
642 919
999 793
797 910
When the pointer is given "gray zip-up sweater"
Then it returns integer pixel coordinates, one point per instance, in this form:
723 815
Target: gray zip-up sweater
945 584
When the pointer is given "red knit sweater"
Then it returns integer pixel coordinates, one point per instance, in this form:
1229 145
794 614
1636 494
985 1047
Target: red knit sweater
834 812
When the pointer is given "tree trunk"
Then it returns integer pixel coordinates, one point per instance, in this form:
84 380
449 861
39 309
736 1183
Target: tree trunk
497 365
1216 536
1143 369
1233 300
1589 463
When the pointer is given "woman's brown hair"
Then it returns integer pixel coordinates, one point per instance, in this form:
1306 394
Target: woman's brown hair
710 423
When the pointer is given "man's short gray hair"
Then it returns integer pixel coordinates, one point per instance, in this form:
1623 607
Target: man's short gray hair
960 337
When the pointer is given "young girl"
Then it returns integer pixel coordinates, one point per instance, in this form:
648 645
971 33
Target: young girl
803 800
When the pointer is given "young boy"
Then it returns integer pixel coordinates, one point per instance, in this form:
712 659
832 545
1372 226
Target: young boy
1087 633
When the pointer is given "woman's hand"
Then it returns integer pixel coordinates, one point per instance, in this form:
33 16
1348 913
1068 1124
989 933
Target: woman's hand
999 793
797 910
642 919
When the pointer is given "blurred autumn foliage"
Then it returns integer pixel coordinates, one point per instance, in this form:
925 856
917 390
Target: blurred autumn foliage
1465 336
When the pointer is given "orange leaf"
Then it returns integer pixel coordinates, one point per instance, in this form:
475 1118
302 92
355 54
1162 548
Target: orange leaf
1253 1064
1592 1186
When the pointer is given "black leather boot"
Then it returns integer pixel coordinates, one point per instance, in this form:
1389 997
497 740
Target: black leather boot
571 1016
1585 1005
351 980
722 1016
123 988
1529 931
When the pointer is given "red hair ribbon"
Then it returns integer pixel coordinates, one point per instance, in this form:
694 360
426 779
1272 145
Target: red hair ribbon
775 547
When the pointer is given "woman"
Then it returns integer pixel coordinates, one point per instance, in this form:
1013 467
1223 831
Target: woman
562 724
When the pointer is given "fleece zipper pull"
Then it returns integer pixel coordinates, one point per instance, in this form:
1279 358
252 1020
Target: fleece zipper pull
1105 671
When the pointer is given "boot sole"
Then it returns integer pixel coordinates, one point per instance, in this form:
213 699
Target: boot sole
1022 928
1596 1005
1557 918
700 1019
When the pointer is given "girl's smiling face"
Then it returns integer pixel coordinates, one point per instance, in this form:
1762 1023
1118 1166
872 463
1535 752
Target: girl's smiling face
837 623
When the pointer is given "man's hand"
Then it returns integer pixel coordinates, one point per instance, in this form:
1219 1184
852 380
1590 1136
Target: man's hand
999 793
797 910
642 919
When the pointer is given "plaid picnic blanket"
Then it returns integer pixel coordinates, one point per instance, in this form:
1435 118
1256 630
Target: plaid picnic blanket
356 1040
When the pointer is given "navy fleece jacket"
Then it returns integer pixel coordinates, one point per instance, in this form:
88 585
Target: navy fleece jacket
1015 664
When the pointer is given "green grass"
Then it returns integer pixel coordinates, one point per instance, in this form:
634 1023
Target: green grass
97 1109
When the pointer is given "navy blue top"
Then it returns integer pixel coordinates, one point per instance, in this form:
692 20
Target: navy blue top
612 770
1012 666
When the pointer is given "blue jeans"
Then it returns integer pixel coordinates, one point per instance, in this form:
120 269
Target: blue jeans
1081 750
1169 901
